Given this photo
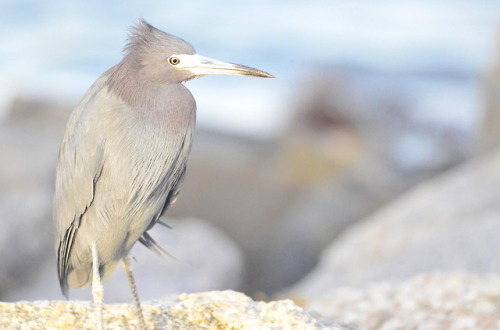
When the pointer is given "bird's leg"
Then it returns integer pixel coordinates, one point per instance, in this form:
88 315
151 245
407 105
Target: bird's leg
133 288
97 289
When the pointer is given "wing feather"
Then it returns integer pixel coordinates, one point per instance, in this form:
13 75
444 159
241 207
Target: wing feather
79 167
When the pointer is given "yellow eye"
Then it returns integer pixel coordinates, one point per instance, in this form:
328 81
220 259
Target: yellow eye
174 60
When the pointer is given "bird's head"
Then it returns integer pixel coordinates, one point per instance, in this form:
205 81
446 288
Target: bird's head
164 58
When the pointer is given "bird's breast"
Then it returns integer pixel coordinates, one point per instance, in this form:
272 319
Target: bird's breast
169 108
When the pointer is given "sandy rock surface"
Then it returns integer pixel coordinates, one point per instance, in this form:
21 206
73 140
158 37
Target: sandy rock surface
210 310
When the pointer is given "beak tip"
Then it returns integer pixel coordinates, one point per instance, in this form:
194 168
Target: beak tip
262 74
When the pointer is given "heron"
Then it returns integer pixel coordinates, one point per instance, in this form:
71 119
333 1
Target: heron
123 158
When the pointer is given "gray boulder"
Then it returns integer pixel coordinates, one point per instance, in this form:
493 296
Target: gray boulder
448 223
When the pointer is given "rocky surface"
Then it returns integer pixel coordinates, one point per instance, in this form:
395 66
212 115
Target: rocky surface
457 300
428 301
210 310
449 223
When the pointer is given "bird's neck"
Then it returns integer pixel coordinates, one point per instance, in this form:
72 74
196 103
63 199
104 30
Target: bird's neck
159 103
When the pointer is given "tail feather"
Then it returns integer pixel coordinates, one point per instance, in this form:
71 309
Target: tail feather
63 256
164 224
64 287
151 244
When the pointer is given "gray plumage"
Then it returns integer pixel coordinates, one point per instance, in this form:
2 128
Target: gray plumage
124 153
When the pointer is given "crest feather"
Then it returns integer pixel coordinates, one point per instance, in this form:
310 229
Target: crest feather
145 38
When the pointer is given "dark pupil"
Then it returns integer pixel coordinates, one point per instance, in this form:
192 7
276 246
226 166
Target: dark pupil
174 60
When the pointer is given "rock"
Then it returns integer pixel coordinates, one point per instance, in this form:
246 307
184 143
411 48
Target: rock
429 301
209 310
321 213
206 260
449 223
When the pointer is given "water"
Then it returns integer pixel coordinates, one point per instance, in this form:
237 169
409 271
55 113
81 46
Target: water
55 49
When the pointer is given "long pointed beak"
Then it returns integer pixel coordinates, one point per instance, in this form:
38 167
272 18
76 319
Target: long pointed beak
201 66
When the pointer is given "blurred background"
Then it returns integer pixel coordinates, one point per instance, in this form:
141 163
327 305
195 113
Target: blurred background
370 98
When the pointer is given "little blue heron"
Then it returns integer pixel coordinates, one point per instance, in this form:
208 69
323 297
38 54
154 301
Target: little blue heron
123 157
